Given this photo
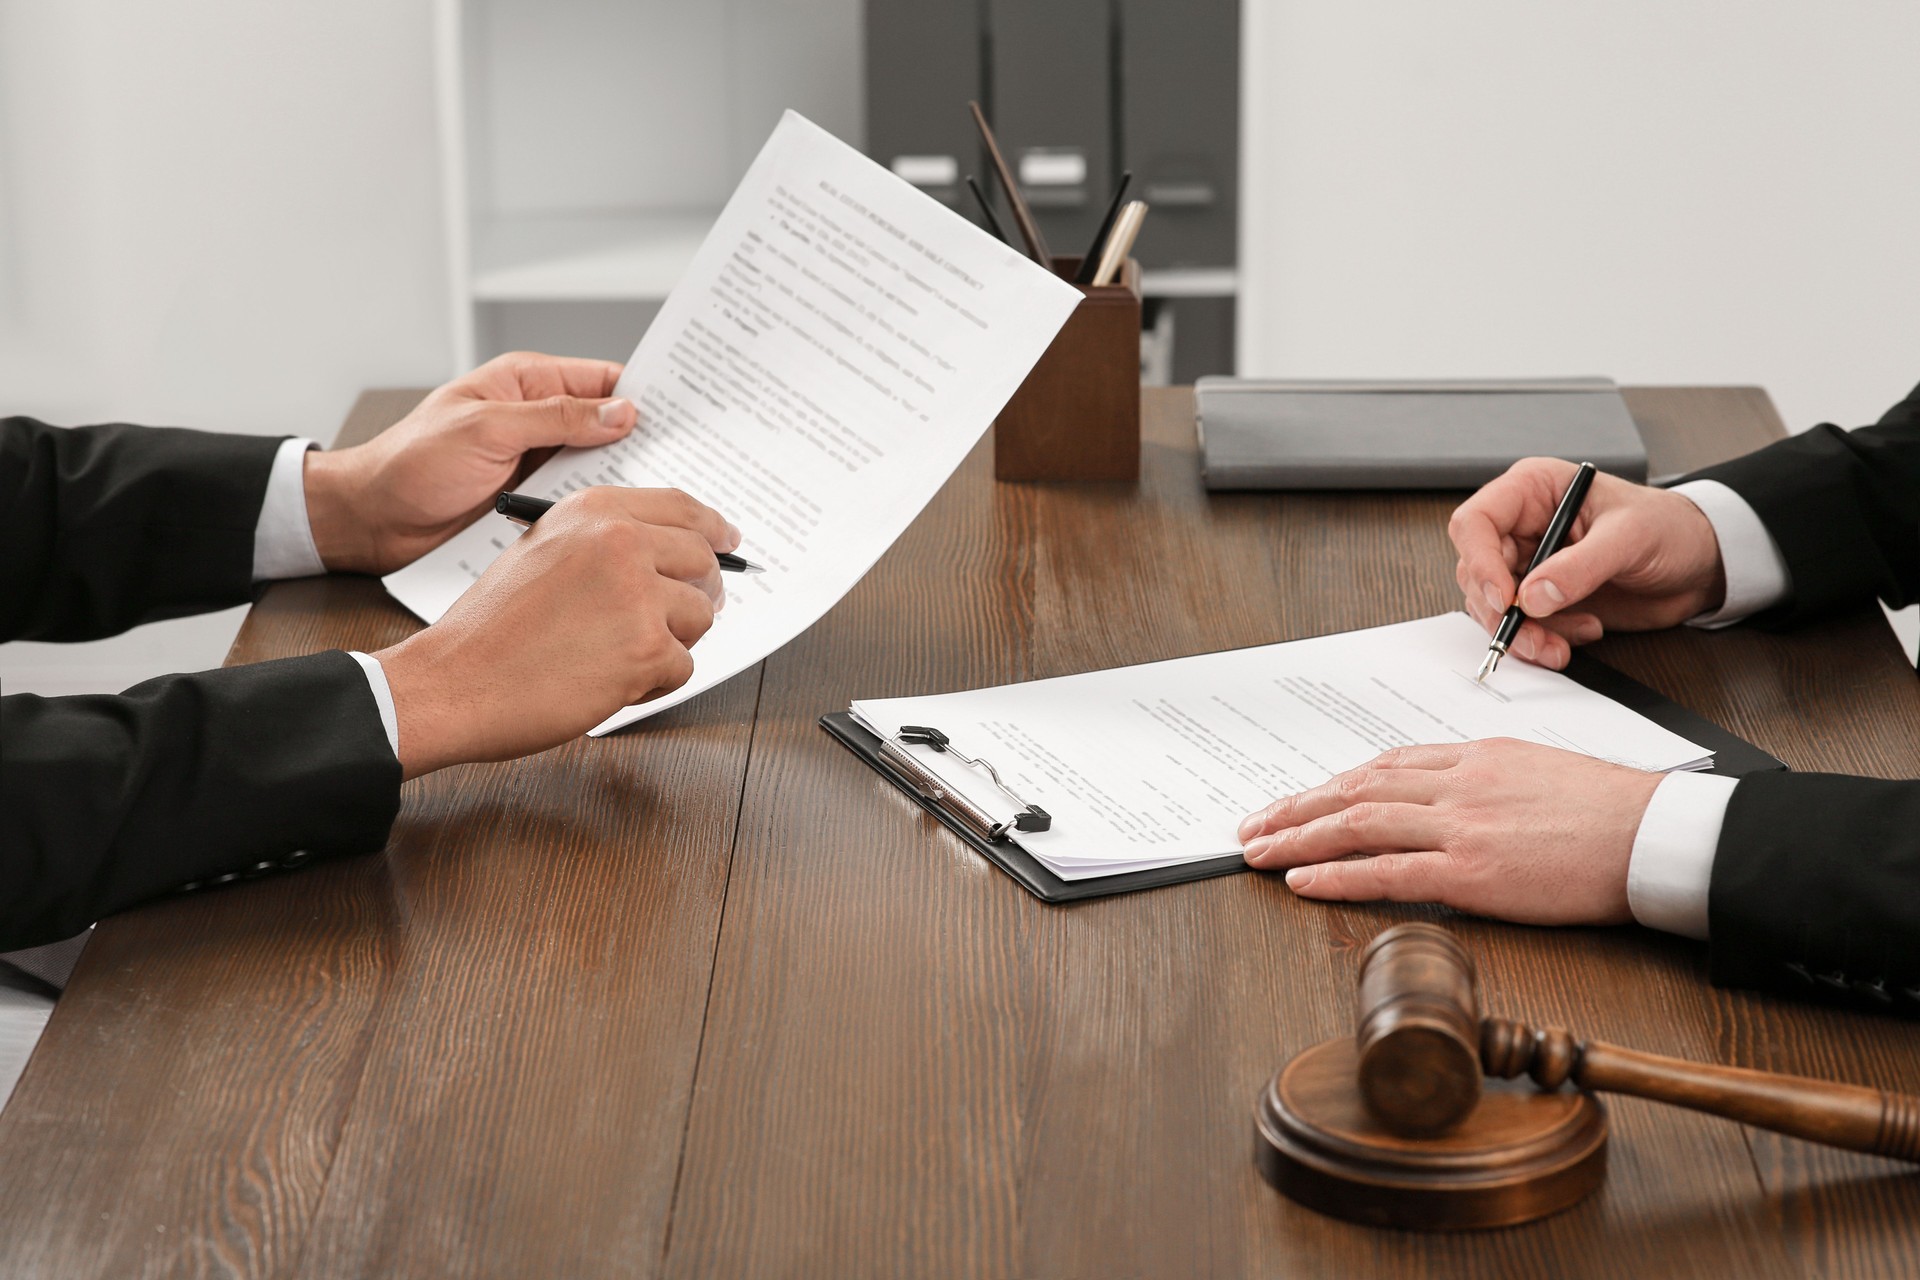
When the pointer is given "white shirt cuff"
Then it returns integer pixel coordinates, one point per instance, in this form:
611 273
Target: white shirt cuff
1671 866
1756 571
383 695
283 538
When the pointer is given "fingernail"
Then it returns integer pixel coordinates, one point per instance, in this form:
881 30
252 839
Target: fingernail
1590 631
733 536
1299 878
613 413
1544 597
1248 825
1495 601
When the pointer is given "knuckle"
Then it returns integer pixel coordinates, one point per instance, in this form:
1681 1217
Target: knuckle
612 541
1359 820
599 502
704 610
649 644
1353 786
677 669
686 506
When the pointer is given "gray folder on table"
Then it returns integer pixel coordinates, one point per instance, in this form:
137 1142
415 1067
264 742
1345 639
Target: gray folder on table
1265 433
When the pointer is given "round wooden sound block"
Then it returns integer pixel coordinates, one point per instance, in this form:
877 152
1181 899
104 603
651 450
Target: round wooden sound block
1520 1154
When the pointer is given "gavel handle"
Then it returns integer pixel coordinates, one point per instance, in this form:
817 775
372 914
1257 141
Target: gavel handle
1838 1115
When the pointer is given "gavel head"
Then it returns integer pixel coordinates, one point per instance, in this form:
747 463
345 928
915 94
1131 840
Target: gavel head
1418 1030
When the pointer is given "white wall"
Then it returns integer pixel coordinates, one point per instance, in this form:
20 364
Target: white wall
1666 191
1691 191
216 213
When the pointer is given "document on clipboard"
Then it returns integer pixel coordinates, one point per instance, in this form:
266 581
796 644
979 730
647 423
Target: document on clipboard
1152 767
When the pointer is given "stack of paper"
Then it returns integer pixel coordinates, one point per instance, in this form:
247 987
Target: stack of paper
1154 765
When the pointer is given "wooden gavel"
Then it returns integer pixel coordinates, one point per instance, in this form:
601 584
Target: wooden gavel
1423 1048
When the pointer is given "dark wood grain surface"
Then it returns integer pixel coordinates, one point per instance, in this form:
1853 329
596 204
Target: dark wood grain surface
707 998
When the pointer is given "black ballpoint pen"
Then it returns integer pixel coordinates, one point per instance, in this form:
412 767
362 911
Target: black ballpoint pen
1549 543
521 509
1091 263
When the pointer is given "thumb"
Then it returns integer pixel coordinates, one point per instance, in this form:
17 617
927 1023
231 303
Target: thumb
562 420
1575 572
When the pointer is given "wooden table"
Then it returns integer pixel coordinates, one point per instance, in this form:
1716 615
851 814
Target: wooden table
709 999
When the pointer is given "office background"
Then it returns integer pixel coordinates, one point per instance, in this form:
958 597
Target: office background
232 215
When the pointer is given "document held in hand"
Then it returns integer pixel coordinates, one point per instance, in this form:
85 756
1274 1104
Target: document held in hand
839 344
1155 765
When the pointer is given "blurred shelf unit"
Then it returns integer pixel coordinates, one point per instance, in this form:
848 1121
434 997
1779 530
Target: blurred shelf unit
588 145
1080 91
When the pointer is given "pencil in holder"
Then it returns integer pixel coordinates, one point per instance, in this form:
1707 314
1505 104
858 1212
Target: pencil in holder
1077 416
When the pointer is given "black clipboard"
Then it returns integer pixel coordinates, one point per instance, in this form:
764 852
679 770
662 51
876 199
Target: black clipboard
1733 757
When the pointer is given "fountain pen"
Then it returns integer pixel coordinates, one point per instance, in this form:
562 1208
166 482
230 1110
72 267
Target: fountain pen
1549 543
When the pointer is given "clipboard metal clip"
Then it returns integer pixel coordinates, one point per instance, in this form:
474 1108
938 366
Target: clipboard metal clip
1031 817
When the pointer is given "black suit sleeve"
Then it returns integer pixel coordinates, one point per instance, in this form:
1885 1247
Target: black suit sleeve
1816 879
107 527
1816 890
1844 509
105 801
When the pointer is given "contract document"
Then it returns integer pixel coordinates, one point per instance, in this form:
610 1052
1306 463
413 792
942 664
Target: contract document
839 344
1154 765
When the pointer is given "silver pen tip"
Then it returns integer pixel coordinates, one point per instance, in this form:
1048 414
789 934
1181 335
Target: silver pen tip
1487 665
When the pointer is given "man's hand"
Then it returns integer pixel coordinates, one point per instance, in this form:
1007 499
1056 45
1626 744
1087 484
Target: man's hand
1499 828
386 503
1636 559
592 609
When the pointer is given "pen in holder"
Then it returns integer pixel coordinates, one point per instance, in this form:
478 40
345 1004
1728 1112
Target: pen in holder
1077 416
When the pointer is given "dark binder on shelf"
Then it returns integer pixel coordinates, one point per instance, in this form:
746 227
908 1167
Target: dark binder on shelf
1733 756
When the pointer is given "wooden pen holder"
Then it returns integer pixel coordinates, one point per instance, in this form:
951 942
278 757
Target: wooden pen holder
1077 416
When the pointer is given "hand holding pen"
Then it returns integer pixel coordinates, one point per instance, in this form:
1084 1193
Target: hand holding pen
1563 517
1634 558
522 509
598 608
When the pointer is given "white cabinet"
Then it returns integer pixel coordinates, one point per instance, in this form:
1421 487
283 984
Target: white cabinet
588 144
